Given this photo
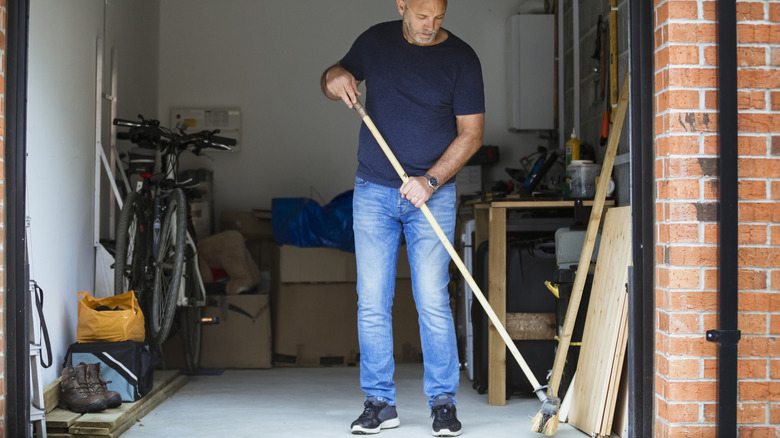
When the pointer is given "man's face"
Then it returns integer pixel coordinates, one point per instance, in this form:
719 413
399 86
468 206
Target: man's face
422 19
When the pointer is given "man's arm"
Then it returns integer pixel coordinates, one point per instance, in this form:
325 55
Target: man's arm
337 83
469 139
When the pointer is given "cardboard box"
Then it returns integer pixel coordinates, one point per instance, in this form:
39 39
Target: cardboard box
238 341
326 265
258 232
316 324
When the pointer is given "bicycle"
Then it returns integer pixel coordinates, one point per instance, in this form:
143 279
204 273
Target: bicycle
156 251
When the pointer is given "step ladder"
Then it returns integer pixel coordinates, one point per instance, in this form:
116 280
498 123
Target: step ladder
37 405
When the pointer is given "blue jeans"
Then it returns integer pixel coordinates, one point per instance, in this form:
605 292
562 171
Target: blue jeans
380 216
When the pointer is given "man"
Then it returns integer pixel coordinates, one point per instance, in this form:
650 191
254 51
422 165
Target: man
424 92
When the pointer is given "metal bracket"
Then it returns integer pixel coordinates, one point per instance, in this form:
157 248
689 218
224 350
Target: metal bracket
724 336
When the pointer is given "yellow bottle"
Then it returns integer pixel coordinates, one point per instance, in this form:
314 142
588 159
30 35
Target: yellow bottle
572 148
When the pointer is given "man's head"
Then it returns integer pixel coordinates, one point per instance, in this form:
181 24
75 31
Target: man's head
422 20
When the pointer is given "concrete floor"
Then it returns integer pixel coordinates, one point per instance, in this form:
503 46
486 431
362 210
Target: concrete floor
321 402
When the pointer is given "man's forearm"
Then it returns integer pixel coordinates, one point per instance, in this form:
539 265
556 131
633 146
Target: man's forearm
457 154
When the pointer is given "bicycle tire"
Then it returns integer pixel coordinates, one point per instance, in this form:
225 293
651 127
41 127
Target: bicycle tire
189 318
169 266
130 260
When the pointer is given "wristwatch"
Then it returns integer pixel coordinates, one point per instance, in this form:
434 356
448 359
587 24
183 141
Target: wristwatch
433 182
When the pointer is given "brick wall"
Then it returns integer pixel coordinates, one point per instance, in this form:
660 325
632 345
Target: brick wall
686 127
3 27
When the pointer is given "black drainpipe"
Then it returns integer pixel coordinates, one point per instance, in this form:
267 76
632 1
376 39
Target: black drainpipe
641 290
728 335
17 325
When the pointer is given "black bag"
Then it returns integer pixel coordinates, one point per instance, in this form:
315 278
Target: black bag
127 366
528 266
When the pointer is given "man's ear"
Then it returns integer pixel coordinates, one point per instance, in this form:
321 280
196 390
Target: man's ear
401 6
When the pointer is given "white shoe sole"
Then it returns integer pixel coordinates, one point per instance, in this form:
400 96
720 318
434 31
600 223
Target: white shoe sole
446 432
388 424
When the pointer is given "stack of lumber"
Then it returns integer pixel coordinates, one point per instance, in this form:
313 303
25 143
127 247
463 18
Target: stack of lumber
62 423
604 338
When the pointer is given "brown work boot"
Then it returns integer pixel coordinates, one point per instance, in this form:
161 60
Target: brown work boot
75 393
99 386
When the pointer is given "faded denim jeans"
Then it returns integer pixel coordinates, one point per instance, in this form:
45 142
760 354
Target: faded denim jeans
380 218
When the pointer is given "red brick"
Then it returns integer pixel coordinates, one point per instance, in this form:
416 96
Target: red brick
711 99
751 100
682 413
774 55
765 391
758 33
661 14
683 278
752 368
679 189
751 301
774 12
775 279
710 56
758 257
758 78
683 144
683 233
758 122
711 144
759 211
753 323
750 11
693 122
683 368
752 190
692 77
749 279
775 100
751 413
752 145
709 10
677 430
759 431
684 323
774 326
710 234
774 369
692 391
681 55
759 168
692 32
761 346
774 413
682 10
751 56
696 256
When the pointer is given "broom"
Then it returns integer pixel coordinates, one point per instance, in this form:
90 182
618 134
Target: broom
546 421
552 402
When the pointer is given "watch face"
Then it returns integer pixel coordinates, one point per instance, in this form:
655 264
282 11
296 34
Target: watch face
432 181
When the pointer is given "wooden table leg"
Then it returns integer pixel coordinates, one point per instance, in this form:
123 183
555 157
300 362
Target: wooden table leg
497 299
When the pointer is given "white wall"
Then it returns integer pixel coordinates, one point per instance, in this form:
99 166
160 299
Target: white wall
61 140
266 57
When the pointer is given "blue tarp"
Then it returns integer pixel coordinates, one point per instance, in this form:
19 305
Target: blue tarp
303 222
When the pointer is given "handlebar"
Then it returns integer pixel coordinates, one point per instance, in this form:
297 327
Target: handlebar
148 133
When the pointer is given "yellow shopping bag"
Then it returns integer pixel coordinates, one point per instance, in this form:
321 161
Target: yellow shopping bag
120 319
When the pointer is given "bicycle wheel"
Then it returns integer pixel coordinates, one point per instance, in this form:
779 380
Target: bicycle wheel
130 261
189 316
169 265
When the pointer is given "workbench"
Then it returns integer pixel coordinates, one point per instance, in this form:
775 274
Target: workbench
491 225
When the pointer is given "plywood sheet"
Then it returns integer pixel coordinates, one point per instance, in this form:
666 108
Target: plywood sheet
604 337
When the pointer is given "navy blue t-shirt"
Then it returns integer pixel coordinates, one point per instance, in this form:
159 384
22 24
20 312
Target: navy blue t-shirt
413 94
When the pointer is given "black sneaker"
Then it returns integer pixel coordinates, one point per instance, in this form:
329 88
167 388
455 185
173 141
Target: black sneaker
377 415
445 418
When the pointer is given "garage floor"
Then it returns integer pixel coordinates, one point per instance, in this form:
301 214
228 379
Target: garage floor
321 402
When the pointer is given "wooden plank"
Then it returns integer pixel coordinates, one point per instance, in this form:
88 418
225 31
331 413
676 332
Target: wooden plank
604 330
620 423
497 300
531 326
110 418
616 372
590 239
61 418
93 428
51 395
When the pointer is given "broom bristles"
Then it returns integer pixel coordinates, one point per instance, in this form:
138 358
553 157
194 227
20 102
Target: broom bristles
546 420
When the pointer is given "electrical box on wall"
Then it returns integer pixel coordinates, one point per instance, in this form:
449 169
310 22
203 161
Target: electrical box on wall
227 120
531 71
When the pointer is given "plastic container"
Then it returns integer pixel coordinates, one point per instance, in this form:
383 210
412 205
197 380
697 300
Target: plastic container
582 178
572 148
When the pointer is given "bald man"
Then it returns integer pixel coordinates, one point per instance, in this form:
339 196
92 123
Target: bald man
425 94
